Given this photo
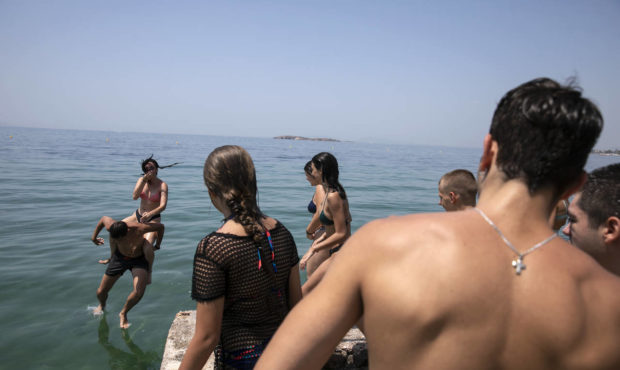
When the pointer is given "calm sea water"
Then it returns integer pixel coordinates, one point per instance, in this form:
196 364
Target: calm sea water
56 184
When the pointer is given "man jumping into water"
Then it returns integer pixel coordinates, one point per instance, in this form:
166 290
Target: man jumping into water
127 241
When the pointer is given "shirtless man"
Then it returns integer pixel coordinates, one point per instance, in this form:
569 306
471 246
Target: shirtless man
594 217
127 240
447 291
457 190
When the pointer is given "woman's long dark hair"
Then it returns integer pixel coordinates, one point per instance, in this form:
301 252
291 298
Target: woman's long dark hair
151 160
327 163
308 168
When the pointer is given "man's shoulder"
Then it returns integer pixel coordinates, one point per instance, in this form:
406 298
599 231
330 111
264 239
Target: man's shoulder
133 225
429 239
396 232
594 277
140 228
412 223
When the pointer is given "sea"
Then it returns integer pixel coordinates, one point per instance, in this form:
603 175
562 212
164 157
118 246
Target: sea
56 184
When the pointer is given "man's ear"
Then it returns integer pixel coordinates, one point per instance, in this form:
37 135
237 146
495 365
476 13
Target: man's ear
583 177
488 153
611 230
453 197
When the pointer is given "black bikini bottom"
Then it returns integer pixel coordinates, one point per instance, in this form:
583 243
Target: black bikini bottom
139 216
334 250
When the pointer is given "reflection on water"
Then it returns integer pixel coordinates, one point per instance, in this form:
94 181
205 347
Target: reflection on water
119 359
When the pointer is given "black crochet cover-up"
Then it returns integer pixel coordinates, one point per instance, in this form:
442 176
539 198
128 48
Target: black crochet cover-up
256 301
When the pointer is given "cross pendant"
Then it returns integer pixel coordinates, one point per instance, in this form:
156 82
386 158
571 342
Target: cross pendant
518 265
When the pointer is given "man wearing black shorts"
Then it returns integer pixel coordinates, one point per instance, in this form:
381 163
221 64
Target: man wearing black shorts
127 240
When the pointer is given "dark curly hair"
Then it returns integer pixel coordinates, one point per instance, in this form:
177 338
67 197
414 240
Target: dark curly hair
118 229
545 132
600 196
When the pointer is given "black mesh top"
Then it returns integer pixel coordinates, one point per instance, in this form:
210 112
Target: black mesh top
256 301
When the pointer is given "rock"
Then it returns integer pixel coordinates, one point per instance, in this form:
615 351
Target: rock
360 355
289 137
180 334
351 352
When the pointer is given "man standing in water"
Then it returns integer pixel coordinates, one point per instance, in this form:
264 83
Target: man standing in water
127 241
490 287
457 190
594 217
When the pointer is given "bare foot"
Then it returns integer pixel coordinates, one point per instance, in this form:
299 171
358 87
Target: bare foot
98 311
124 321
105 261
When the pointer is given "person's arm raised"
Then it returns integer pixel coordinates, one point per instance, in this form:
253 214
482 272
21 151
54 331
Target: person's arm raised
104 221
137 190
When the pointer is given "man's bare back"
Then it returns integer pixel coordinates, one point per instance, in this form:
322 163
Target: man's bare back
131 245
428 301
458 318
440 291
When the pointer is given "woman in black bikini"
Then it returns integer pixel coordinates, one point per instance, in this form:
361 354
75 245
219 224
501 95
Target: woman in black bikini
314 230
246 274
333 213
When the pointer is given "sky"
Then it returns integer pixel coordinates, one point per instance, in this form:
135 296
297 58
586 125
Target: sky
411 72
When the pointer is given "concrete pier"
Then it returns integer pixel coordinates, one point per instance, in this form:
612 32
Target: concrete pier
351 353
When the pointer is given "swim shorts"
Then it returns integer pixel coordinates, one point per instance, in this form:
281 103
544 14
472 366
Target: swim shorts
120 263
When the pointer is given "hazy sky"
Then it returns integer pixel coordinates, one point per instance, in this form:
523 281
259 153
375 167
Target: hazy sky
419 72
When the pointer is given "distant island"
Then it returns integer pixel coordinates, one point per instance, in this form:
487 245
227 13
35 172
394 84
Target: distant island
289 137
615 152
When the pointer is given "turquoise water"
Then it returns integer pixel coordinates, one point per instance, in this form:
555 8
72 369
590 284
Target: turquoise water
56 184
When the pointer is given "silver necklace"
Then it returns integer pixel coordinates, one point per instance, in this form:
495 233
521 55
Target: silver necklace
517 263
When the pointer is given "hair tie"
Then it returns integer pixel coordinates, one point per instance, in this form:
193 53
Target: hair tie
273 254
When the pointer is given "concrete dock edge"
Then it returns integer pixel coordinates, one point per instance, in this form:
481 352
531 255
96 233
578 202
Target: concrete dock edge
351 353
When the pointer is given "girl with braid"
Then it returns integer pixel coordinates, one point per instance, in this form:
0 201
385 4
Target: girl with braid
246 275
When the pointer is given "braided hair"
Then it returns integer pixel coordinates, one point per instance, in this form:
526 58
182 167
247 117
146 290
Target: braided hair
229 173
